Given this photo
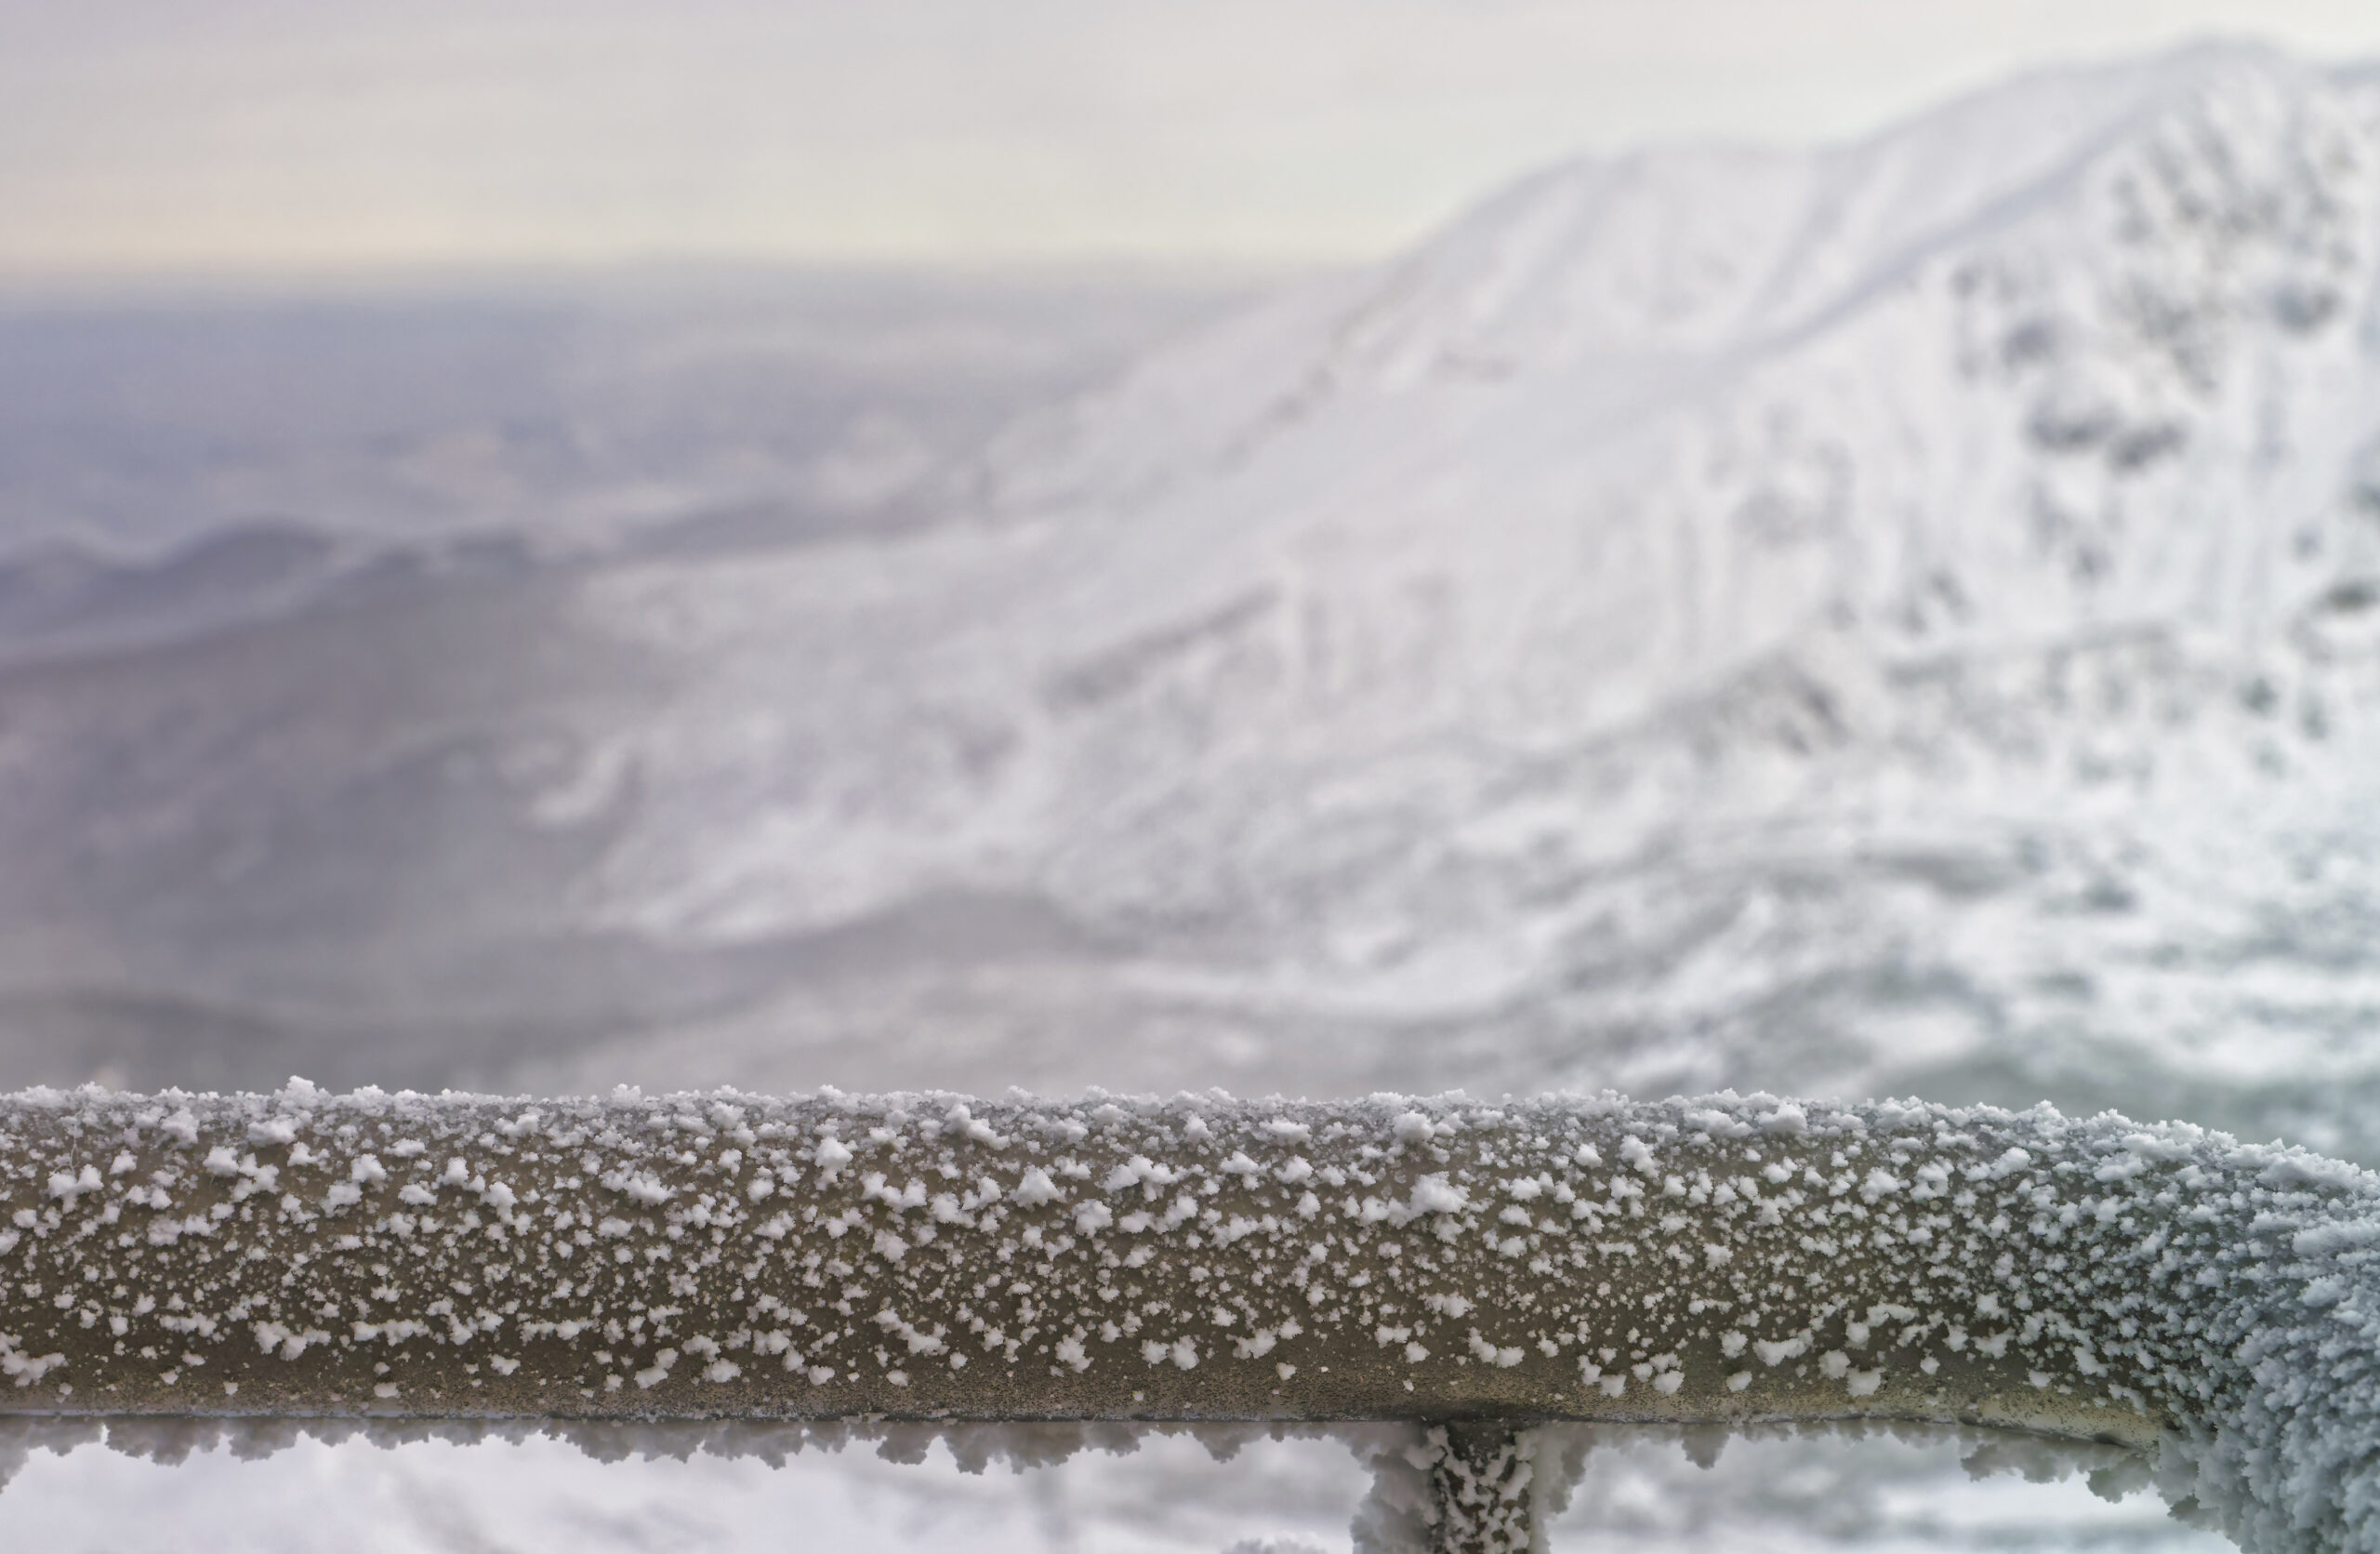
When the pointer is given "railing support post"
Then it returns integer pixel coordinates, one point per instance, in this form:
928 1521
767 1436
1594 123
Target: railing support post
1482 1489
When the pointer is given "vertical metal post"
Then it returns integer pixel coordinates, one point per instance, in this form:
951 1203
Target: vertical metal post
1482 1490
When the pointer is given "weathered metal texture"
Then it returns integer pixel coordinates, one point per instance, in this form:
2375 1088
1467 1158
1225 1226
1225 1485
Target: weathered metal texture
932 1257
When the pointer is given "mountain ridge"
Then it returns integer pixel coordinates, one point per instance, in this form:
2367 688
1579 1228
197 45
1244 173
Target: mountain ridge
1321 655
1970 695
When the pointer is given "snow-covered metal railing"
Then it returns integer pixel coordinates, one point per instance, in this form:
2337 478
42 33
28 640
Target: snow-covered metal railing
1472 1268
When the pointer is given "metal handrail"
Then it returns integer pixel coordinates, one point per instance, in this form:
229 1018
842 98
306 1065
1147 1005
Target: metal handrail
1472 1268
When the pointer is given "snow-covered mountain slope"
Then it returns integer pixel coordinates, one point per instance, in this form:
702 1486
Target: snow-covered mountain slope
1904 616
1953 386
1891 613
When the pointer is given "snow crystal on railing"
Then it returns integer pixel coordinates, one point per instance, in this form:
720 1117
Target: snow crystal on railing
1721 1260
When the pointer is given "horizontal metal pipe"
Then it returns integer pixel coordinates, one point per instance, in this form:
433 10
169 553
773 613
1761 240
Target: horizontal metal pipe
1714 1261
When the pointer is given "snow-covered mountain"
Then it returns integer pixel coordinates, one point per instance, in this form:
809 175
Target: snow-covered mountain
1901 612
1899 616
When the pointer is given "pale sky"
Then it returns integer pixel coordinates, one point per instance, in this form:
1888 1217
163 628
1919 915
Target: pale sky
179 136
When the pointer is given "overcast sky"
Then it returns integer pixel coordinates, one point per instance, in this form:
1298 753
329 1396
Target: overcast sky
173 135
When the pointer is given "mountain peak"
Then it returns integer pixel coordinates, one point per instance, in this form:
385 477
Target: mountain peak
2009 327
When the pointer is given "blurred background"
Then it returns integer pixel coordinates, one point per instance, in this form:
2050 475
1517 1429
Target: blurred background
1308 548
